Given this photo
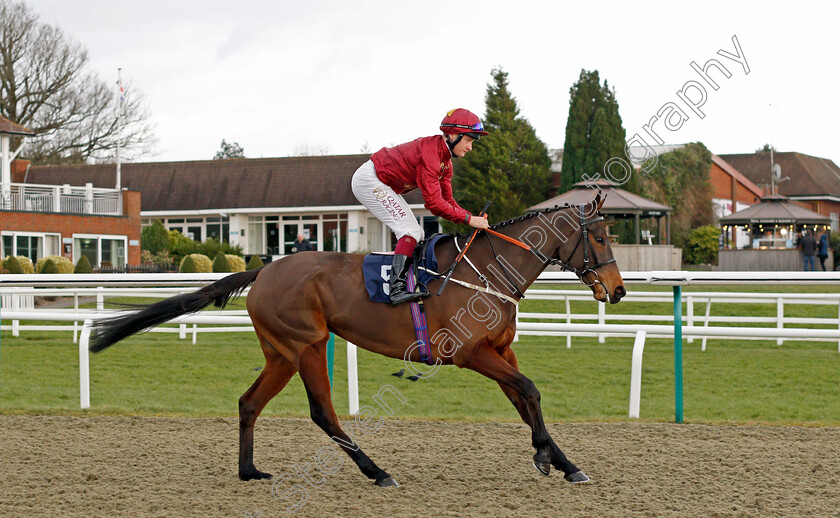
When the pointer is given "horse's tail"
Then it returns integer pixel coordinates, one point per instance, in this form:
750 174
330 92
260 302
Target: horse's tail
108 331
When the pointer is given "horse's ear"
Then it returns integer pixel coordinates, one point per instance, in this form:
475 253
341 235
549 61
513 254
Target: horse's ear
599 200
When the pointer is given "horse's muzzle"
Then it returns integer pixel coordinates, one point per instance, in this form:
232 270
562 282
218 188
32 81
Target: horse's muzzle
617 294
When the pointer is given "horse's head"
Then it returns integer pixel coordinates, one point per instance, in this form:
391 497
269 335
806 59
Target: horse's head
587 252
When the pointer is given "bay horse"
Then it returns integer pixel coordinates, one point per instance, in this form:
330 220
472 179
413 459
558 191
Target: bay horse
297 301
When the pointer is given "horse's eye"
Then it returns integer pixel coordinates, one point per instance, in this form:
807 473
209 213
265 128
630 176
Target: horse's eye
599 239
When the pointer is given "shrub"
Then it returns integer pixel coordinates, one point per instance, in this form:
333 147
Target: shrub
254 263
12 264
48 266
25 264
83 265
180 245
220 263
146 257
3 271
202 263
703 245
187 265
163 259
62 264
237 263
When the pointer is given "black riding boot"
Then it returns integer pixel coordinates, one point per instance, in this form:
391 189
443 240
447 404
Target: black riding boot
399 274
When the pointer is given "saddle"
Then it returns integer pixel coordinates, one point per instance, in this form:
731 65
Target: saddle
377 268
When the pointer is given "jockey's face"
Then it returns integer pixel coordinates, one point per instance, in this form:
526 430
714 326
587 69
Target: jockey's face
461 148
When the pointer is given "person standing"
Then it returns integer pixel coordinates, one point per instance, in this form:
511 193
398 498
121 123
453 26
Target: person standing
301 245
808 245
822 251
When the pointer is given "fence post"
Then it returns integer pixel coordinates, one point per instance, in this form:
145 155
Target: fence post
352 379
678 367
780 317
636 374
568 321
84 366
706 322
689 313
330 357
602 313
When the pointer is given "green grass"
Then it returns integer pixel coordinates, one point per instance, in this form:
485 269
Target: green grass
732 381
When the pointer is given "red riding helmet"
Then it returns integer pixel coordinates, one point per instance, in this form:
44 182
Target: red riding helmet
460 121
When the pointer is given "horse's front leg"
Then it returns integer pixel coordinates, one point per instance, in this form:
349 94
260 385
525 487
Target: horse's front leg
545 453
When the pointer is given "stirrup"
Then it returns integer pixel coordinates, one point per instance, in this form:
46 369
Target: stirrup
401 295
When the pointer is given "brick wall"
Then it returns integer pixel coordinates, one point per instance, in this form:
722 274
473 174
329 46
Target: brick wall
69 224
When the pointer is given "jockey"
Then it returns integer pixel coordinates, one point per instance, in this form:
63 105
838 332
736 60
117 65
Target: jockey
425 163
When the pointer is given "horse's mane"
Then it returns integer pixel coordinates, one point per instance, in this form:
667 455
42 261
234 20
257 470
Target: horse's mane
513 220
529 215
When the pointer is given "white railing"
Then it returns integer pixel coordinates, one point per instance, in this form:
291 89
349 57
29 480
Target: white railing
640 331
27 197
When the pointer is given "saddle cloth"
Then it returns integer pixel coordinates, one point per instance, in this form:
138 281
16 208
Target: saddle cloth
377 272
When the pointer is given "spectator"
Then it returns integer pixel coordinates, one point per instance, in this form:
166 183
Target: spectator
808 245
301 245
822 249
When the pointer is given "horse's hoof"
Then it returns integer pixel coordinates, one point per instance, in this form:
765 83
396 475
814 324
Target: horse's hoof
254 475
578 477
543 467
387 482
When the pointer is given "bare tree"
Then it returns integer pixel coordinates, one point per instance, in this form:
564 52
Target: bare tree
44 86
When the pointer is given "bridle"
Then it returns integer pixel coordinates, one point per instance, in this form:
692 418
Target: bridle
588 251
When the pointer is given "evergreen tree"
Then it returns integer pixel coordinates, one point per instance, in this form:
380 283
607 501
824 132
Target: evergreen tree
49 267
509 167
221 264
83 265
154 238
680 179
254 263
594 132
229 150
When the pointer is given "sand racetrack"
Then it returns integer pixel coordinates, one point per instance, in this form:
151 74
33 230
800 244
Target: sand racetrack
137 466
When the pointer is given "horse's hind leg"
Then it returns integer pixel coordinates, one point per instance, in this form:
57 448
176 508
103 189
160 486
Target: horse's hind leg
277 372
558 458
313 372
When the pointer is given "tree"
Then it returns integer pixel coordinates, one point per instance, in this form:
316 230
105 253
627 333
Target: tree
509 167
766 148
154 238
680 179
594 132
46 87
232 150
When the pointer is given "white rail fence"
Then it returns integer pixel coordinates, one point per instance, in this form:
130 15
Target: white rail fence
238 321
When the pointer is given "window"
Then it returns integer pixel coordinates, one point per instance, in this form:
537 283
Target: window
101 250
835 221
31 245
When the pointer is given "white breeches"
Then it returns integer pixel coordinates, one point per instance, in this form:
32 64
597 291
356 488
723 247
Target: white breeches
388 206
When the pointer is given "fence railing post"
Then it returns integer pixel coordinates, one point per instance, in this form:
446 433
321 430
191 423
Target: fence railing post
636 374
84 366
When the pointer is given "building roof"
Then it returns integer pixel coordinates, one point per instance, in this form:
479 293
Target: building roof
773 210
809 175
312 181
618 201
734 173
10 128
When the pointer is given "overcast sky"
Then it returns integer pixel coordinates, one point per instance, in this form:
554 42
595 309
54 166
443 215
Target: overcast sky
283 77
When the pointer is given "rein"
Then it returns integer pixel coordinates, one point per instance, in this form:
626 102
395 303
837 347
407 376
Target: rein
565 265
